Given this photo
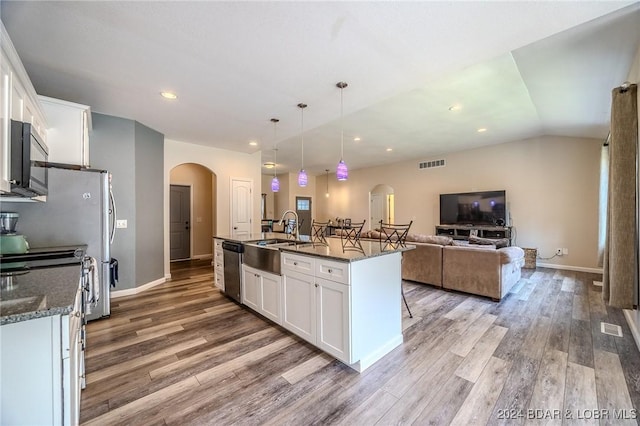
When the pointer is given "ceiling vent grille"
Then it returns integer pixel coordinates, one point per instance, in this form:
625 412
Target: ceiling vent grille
431 164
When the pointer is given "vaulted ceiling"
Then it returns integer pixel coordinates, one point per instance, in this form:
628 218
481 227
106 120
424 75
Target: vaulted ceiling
516 69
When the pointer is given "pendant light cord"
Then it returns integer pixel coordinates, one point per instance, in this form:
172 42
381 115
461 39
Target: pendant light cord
341 126
302 107
275 150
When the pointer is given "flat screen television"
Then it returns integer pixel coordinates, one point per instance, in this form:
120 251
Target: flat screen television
474 208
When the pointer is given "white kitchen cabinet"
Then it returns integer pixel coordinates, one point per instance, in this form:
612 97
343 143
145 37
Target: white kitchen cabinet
42 368
316 308
333 318
68 132
350 309
218 264
262 292
299 304
18 102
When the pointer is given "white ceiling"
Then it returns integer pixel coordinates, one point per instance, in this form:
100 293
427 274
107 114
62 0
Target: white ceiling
519 69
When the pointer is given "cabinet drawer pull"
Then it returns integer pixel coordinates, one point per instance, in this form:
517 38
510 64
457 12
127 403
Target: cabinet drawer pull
295 263
330 270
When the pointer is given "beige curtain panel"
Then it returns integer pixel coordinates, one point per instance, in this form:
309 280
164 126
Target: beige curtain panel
620 257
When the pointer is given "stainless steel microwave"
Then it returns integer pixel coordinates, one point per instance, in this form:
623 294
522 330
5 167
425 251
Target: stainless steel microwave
28 156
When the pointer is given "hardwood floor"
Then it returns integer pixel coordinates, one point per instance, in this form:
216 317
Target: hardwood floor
182 353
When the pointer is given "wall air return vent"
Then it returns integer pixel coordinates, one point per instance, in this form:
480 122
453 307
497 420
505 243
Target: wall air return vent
431 164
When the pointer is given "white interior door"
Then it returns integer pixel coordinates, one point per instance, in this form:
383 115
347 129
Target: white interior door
241 207
378 204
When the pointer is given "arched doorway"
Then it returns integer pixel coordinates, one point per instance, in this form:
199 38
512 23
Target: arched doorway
192 212
381 205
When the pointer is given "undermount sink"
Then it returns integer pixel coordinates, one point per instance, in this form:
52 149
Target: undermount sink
274 241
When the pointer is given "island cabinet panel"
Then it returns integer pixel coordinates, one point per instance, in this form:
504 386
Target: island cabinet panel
299 305
262 292
271 297
376 308
333 318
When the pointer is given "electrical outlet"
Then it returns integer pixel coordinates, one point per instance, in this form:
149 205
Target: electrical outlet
121 223
558 252
565 251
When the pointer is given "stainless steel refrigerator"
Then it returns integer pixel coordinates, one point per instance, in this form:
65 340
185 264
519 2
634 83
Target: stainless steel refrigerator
79 210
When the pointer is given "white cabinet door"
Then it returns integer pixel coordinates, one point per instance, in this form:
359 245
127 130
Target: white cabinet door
271 297
333 321
299 305
68 135
5 116
251 288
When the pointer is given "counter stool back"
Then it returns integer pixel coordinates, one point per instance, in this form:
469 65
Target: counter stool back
395 235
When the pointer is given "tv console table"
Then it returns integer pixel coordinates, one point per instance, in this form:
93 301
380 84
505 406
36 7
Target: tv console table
462 232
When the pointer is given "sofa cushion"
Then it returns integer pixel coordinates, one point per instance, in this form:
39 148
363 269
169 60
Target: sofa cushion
442 240
499 243
511 254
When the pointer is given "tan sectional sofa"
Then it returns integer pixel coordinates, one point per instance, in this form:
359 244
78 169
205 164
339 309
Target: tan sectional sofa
476 269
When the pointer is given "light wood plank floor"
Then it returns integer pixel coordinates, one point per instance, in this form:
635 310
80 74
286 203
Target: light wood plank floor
182 353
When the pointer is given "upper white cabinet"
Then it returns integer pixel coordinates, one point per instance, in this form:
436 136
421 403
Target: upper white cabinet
68 132
18 101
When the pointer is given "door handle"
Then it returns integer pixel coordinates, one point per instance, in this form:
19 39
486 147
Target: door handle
235 227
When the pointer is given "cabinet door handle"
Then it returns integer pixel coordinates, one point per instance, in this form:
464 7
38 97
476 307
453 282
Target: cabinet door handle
317 285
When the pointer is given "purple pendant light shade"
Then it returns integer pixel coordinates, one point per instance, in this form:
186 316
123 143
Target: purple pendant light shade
302 178
342 173
302 174
275 183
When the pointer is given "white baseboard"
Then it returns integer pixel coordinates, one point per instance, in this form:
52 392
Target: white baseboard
632 319
140 289
570 268
376 355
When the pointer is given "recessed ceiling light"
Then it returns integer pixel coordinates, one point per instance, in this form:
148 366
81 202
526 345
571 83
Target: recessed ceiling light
269 165
389 149
168 95
481 130
455 108
357 139
253 143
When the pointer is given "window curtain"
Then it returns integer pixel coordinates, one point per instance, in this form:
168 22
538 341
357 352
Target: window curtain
621 250
603 196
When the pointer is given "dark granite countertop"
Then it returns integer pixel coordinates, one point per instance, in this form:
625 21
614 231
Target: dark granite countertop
332 249
41 291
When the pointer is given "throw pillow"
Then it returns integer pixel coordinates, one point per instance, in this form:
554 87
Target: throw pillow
432 239
499 243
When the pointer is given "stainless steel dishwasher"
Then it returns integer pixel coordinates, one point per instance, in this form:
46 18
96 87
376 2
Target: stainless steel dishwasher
233 269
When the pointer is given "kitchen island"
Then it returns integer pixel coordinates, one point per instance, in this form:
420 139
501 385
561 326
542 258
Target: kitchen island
345 301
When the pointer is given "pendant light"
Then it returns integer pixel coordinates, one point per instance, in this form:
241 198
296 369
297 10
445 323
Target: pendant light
275 183
327 193
342 173
302 175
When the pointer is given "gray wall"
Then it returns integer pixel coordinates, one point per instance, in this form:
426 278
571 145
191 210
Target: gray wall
133 154
149 230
